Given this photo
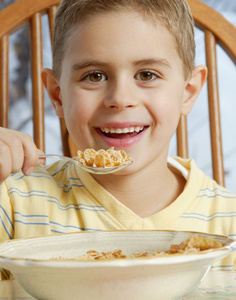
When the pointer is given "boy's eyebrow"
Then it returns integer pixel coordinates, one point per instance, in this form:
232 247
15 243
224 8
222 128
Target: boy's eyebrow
87 63
149 61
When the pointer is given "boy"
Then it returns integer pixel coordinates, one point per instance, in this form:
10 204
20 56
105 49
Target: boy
123 73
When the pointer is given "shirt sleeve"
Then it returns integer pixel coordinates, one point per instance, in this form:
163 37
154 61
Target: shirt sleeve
6 222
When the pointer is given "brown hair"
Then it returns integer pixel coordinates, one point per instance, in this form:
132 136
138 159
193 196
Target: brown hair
174 14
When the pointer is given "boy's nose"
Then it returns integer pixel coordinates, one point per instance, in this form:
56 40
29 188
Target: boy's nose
121 96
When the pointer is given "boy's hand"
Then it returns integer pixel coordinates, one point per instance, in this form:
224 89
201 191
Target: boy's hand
17 152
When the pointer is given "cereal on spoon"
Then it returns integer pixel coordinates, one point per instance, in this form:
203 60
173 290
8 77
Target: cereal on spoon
103 158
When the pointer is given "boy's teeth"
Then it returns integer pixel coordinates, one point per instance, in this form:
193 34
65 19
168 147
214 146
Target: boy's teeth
122 130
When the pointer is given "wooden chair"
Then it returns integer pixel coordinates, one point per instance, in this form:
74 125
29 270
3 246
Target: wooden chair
219 31
216 29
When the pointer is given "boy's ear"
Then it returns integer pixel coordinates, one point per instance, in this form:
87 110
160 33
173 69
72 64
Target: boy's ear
54 92
193 88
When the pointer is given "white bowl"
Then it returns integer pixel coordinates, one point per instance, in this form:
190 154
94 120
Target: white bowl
168 277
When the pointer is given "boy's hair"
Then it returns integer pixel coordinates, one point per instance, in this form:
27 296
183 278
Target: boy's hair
174 14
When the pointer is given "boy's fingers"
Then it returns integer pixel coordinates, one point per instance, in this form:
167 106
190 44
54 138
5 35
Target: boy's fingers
28 170
5 161
11 151
17 157
17 152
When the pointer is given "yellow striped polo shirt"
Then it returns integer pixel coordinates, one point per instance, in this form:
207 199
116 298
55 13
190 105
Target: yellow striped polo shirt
61 198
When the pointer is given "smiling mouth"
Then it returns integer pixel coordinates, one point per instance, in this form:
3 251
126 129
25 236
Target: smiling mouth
122 133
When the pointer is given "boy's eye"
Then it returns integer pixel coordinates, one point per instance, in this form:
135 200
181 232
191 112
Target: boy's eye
146 76
95 77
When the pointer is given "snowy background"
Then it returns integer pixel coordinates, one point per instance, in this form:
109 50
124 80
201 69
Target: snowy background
20 115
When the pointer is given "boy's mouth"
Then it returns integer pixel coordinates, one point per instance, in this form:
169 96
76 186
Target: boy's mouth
122 133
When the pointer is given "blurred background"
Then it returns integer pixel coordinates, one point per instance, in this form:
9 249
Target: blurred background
20 113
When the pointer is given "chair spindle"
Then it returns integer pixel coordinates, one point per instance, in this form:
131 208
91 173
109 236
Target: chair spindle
214 108
37 86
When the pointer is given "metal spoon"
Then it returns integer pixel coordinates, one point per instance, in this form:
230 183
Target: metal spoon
94 170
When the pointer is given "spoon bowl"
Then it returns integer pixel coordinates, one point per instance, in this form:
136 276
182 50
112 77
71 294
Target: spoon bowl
94 170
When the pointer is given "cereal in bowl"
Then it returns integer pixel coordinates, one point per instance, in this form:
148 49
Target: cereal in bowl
194 244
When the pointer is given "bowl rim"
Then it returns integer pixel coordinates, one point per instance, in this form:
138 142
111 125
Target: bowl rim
170 259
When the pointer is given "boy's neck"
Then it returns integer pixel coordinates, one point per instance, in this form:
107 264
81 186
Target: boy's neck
145 197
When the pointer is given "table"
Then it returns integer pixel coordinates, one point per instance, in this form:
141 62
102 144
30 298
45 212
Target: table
216 285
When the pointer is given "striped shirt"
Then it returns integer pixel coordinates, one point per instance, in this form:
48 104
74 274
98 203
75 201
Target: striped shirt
61 198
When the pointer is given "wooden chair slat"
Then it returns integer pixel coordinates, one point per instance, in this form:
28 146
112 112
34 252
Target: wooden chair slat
64 133
182 138
15 16
4 72
214 108
37 85
207 18
65 139
51 16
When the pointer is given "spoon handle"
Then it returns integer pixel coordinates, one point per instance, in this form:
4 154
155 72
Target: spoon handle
94 170
54 156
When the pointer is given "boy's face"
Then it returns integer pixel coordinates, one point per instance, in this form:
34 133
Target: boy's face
122 85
